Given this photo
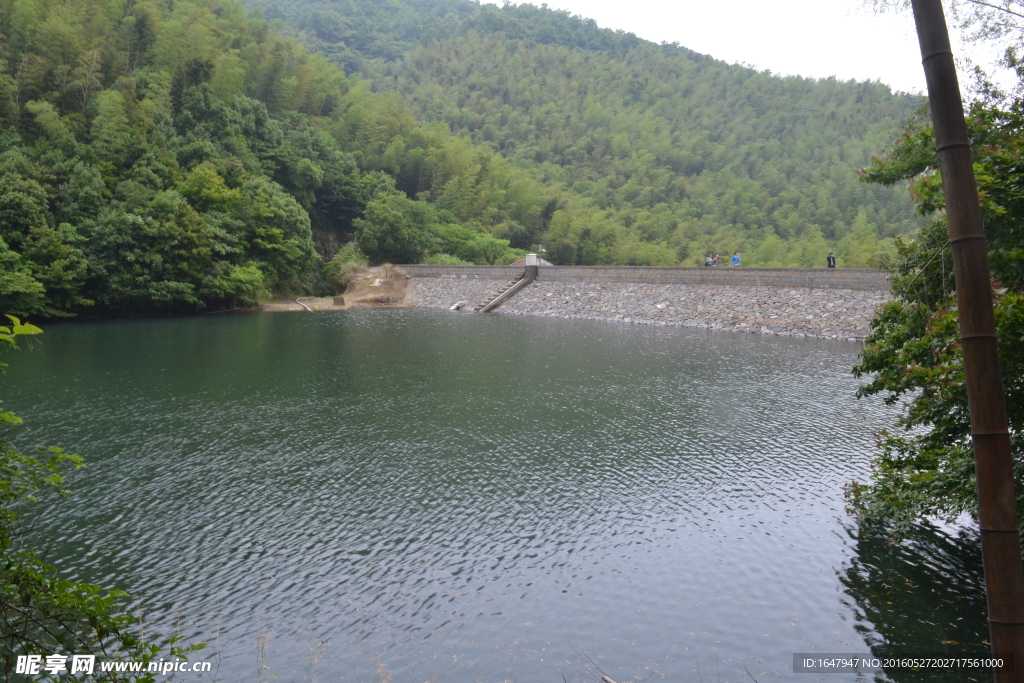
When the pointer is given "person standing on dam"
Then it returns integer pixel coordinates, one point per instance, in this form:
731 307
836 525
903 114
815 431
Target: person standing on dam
736 259
831 260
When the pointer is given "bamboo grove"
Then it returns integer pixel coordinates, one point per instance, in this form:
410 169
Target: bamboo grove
188 155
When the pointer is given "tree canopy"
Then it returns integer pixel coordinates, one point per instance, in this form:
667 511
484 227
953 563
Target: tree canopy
654 154
171 157
913 353
161 157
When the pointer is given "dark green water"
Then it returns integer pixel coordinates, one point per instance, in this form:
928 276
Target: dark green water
482 498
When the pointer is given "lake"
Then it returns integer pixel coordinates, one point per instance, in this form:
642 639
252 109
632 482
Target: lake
416 495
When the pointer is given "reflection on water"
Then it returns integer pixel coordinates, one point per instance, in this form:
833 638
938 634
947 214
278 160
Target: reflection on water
924 594
465 497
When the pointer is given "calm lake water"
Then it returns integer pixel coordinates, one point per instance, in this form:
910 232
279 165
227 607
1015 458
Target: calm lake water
420 495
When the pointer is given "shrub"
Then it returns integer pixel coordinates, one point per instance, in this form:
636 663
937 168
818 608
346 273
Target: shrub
242 286
338 275
445 260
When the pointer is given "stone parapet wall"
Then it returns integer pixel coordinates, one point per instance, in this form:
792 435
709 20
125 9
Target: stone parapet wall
465 272
810 278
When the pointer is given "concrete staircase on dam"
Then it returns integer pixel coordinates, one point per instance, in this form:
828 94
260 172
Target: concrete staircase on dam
499 296
529 275
494 298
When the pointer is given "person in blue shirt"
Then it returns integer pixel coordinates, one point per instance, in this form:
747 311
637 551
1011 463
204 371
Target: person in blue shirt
831 260
736 260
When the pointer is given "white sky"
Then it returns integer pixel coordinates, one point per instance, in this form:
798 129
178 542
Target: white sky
816 38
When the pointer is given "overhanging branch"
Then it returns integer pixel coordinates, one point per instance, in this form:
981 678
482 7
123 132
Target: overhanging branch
1007 10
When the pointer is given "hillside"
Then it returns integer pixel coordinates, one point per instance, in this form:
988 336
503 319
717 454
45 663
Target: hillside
656 153
189 156
175 157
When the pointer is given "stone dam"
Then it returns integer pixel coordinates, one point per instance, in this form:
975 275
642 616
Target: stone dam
801 302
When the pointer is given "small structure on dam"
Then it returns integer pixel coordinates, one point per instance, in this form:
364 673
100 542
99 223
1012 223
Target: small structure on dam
835 303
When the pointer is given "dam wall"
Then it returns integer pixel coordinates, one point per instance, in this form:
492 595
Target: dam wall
803 302
811 278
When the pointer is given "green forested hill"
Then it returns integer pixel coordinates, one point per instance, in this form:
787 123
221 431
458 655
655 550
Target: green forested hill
176 156
657 153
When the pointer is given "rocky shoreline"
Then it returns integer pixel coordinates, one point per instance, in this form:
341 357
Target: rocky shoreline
843 314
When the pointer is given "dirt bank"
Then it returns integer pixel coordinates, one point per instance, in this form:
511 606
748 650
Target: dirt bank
374 287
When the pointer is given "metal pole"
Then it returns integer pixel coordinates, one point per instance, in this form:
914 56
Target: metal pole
997 507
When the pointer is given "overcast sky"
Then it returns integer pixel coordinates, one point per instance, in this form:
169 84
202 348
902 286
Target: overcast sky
817 38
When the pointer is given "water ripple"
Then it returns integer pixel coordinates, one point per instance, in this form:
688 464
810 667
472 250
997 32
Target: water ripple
458 496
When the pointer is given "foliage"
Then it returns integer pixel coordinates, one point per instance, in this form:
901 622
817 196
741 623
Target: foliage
40 612
242 286
639 153
339 271
179 156
392 229
163 157
170 157
996 22
397 229
339 275
350 253
913 351
445 260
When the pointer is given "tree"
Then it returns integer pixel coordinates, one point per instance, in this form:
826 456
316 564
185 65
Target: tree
987 18
110 130
392 230
277 229
653 143
20 293
913 351
1000 22
191 146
